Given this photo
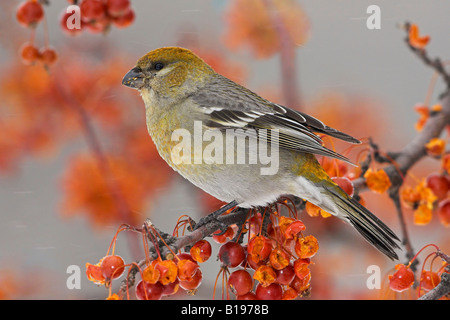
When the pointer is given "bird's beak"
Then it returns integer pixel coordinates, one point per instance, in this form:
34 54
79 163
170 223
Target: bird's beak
134 78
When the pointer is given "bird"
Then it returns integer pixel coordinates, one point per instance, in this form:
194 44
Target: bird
184 95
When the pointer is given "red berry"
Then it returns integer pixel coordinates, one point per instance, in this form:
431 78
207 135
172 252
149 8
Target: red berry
259 248
66 22
29 53
300 285
92 10
117 8
301 267
401 280
48 56
112 267
224 237
148 291
285 275
444 212
171 288
271 292
279 258
438 184
183 256
345 183
429 280
94 273
306 247
293 229
187 269
124 20
194 283
240 282
231 254
29 13
201 251
97 26
168 271
247 296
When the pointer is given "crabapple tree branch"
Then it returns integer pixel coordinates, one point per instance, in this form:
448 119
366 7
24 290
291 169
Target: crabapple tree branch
205 230
442 289
174 244
415 150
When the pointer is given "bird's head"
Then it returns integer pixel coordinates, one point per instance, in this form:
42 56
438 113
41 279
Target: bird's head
169 72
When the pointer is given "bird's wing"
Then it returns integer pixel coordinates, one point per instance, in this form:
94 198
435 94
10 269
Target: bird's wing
229 105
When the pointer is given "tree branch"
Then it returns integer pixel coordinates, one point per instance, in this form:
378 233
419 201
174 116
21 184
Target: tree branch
442 289
415 150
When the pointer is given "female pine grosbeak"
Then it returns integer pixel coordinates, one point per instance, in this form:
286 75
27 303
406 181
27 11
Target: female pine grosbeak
182 94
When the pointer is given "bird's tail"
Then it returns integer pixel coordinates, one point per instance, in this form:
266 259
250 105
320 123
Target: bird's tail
365 222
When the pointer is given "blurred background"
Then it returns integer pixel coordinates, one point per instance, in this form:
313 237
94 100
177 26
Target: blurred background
60 208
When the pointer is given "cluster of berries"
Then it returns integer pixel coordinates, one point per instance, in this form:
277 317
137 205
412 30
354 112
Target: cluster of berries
159 277
274 266
403 279
97 16
29 14
431 195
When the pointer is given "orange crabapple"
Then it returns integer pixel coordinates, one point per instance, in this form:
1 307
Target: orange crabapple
301 267
306 247
117 8
112 267
151 274
301 284
29 53
94 273
265 275
201 251
187 269
259 248
279 258
29 13
248 262
289 294
194 283
220 237
293 229
429 280
124 20
48 56
92 10
402 279
168 271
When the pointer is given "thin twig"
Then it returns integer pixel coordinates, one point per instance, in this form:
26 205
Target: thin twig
415 150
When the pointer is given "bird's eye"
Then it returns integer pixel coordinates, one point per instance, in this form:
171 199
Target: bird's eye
158 66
